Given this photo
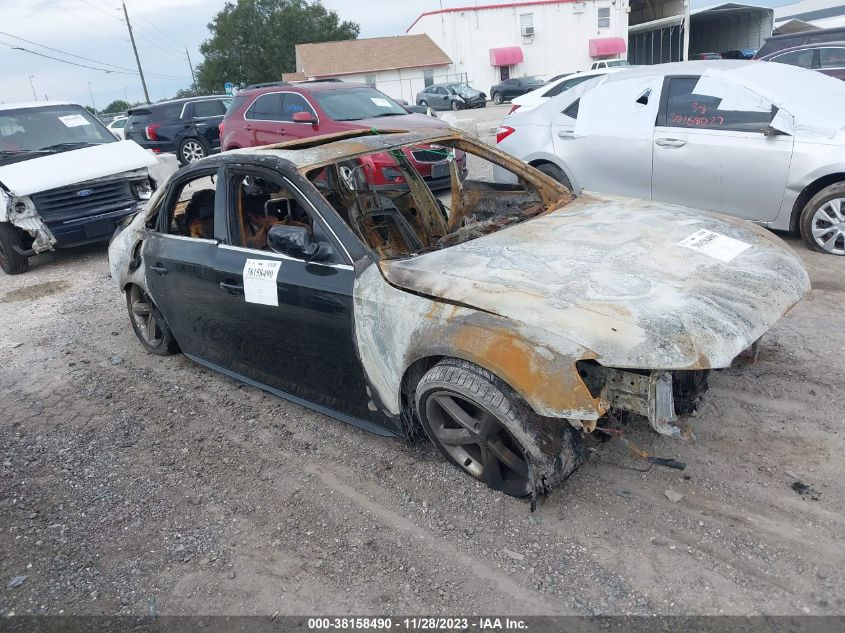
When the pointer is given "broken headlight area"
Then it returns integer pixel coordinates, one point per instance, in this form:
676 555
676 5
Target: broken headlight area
142 188
661 396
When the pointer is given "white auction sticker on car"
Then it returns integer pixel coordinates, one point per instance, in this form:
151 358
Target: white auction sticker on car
74 120
382 103
260 281
716 245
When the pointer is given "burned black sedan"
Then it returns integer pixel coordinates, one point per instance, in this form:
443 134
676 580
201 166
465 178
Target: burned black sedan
503 320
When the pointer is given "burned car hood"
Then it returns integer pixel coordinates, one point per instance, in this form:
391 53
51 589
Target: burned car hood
75 166
611 275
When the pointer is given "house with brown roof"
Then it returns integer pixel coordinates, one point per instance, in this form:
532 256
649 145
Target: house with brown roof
400 66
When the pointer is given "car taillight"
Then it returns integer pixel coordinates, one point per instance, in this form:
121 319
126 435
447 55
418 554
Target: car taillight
503 132
220 127
150 132
514 108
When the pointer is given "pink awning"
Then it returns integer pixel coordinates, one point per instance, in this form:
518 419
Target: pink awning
506 56
601 46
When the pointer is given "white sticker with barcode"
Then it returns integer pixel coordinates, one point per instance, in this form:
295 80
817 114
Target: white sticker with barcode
716 245
260 281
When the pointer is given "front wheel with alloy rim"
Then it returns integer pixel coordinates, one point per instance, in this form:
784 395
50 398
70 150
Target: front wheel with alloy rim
497 98
12 262
485 429
149 325
191 150
822 221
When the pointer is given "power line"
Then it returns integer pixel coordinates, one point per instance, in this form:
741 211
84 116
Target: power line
113 17
88 59
150 22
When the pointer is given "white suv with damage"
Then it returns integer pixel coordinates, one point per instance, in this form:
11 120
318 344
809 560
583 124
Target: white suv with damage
65 180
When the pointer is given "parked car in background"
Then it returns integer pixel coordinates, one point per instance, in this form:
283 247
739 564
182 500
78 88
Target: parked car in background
609 63
705 56
451 96
555 87
503 330
828 58
791 40
117 126
187 127
65 180
284 112
514 87
745 138
742 53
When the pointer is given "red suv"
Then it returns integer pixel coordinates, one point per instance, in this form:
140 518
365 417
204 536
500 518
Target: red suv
280 112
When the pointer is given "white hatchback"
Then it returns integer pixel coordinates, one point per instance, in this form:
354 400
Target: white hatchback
537 97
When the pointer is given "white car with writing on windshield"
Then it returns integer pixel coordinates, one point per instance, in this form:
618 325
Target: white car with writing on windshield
764 142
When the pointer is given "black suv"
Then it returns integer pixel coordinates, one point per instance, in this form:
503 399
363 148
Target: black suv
187 127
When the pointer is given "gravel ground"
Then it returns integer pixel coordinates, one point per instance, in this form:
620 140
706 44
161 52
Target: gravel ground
133 483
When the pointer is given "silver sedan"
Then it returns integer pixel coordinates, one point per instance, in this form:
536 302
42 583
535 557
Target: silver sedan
756 140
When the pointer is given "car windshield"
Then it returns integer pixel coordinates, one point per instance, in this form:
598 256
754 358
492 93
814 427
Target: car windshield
353 104
463 90
448 196
49 129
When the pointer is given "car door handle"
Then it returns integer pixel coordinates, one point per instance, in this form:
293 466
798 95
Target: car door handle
670 142
158 269
248 128
566 135
234 289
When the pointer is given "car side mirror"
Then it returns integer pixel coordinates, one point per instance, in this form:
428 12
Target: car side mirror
296 242
303 117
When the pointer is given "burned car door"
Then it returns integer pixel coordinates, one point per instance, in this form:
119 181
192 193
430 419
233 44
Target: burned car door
179 261
286 322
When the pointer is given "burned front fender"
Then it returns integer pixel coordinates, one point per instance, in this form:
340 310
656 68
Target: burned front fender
394 329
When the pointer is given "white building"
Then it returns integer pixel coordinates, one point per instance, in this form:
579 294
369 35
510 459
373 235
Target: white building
399 66
488 43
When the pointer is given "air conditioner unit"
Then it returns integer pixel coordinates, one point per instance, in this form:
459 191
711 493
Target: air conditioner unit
527 31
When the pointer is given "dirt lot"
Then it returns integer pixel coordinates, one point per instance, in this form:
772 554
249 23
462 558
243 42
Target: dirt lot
131 483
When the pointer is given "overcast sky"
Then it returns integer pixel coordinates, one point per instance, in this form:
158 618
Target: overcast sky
163 29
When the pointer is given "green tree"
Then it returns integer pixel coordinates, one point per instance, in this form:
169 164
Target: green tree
252 41
118 105
91 109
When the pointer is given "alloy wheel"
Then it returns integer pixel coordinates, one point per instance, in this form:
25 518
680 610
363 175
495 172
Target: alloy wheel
478 442
144 314
192 151
828 226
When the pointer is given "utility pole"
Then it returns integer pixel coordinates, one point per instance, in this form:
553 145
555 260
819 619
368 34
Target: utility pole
191 66
91 92
135 48
31 85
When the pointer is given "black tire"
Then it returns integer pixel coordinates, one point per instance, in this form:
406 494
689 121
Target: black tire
12 262
826 217
455 106
423 103
501 441
148 323
555 172
497 98
191 149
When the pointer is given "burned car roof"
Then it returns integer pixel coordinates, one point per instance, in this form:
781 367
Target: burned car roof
312 152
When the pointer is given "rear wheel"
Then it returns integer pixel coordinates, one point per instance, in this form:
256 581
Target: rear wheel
555 172
424 103
149 325
497 98
456 106
822 221
191 150
485 429
12 262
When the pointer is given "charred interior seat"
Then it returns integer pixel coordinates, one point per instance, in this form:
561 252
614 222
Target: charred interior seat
199 214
